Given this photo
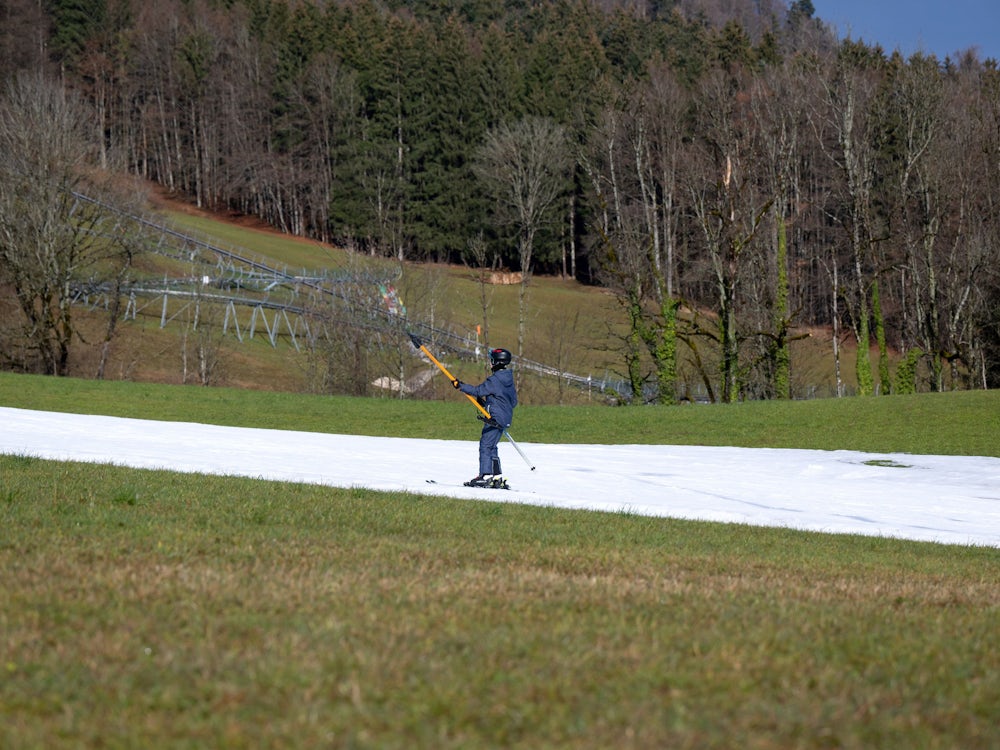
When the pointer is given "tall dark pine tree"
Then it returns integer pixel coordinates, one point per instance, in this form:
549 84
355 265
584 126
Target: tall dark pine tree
73 23
445 123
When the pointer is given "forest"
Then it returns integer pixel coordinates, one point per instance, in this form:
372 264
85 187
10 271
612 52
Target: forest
732 171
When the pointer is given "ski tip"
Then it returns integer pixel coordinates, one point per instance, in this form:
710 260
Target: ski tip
416 341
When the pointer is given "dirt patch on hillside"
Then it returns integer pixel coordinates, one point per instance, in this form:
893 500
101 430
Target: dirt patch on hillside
163 199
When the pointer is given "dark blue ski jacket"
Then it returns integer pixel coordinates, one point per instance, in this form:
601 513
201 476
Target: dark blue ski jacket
498 394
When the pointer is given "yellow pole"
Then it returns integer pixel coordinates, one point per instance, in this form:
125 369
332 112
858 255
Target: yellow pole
419 344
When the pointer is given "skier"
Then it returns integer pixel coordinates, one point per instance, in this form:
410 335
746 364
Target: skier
499 396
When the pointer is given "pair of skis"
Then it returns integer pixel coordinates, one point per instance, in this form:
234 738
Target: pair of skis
482 409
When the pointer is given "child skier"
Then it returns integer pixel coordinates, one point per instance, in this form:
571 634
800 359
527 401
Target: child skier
499 396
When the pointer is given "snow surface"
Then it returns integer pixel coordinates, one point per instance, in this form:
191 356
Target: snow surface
947 499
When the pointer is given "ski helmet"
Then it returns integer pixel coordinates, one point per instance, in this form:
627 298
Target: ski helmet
499 358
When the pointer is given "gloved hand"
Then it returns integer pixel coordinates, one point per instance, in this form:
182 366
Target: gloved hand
457 383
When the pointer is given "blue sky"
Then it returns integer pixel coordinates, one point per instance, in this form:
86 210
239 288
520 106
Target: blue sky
930 26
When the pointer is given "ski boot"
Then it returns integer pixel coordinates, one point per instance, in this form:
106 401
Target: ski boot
487 481
497 482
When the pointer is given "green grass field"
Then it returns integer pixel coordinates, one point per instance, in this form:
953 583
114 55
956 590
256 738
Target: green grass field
153 609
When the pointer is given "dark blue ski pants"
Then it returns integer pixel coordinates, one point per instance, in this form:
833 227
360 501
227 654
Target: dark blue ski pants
489 456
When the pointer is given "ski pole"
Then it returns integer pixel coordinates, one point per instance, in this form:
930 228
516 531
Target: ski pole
420 345
518 448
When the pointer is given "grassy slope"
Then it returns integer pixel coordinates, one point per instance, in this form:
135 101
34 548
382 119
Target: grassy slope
568 324
142 608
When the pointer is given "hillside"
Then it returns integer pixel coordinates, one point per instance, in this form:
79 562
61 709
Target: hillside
570 327
392 129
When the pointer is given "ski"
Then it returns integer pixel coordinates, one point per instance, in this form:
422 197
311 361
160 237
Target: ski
464 484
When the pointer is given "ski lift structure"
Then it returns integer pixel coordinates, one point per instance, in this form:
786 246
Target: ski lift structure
262 300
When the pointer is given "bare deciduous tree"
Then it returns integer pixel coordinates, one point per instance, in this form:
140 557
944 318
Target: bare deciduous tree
22 36
633 166
846 128
485 265
729 206
777 101
525 168
622 237
57 228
